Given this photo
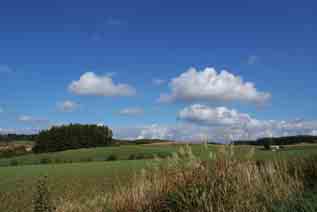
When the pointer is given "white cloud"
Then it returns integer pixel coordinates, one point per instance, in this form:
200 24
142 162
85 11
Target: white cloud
252 59
209 85
314 132
220 124
67 106
92 84
32 120
158 82
202 114
19 130
133 111
156 132
25 118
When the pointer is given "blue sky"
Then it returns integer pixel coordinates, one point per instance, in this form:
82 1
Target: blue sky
45 46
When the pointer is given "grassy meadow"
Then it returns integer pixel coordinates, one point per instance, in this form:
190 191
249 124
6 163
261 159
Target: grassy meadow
83 173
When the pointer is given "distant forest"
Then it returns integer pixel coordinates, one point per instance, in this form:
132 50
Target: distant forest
6 138
287 140
73 136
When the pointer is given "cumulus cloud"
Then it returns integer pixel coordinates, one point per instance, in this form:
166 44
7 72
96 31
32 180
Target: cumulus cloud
133 111
158 82
92 84
209 85
219 124
156 132
67 106
202 114
314 132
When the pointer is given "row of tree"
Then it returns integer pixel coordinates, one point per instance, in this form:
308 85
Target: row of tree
73 136
7 138
288 140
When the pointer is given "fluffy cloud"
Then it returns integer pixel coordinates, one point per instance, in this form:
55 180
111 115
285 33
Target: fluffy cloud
156 132
221 134
67 106
209 85
131 111
202 114
92 84
314 132
220 124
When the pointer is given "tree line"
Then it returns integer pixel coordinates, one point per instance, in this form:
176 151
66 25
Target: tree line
7 138
73 136
287 140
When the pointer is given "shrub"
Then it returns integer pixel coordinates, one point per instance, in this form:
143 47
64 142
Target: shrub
132 157
45 160
112 157
89 159
14 162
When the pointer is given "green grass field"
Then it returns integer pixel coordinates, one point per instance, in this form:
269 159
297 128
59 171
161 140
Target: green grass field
147 151
80 178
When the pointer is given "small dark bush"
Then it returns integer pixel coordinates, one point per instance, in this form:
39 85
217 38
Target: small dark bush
145 156
45 160
86 159
112 157
14 163
132 157
57 160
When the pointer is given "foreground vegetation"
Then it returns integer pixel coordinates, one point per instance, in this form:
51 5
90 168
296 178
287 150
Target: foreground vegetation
220 179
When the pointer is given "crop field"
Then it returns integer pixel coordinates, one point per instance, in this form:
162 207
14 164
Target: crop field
79 177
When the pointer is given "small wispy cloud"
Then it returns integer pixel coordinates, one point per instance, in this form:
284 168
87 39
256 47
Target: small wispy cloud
158 82
252 59
134 111
67 106
1 110
32 120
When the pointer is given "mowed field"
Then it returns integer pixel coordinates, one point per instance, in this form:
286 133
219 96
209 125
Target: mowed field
76 177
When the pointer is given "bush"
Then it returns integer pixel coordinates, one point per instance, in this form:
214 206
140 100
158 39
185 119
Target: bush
86 159
14 162
112 158
45 160
132 157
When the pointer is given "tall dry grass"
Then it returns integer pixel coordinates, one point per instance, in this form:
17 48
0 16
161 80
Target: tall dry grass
186 183
222 183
